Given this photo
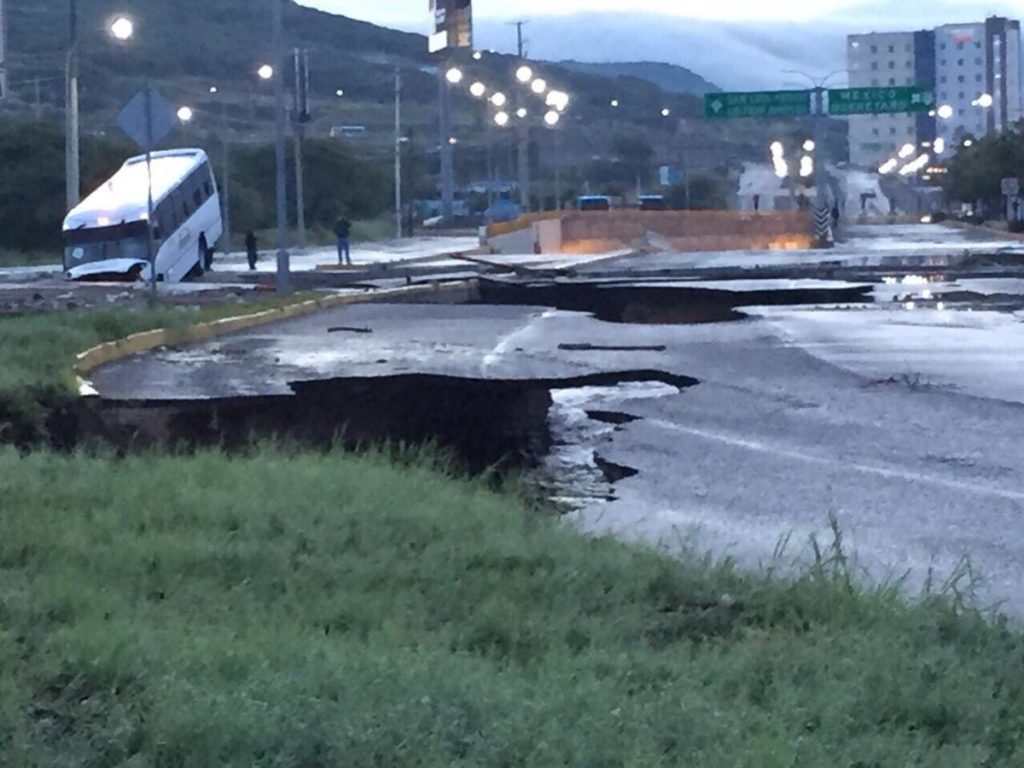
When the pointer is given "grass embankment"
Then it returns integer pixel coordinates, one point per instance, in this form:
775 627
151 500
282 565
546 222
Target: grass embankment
37 353
280 610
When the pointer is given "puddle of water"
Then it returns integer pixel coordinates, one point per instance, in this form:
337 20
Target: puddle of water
581 420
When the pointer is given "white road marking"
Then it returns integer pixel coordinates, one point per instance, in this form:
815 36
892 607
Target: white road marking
892 474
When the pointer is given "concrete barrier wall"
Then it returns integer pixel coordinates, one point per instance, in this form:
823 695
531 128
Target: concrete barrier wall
605 231
690 230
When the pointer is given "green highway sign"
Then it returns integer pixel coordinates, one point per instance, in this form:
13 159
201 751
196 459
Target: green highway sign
760 104
880 101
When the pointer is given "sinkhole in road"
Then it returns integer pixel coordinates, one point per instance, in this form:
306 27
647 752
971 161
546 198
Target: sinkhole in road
485 424
668 303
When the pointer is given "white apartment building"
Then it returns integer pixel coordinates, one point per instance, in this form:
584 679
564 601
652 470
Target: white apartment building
878 60
975 70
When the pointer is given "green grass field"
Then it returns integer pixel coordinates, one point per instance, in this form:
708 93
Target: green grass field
285 609
38 351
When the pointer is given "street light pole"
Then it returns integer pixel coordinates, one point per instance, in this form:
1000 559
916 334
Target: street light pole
283 260
301 103
71 127
447 161
398 153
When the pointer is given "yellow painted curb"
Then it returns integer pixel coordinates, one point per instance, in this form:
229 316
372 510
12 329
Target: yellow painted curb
102 354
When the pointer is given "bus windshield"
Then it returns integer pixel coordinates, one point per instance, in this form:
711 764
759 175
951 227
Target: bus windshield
89 246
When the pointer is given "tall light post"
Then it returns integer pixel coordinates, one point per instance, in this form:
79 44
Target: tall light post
447 76
225 174
284 283
398 153
121 29
524 75
71 127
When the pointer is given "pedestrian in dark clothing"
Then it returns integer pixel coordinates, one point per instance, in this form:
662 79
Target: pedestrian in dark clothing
835 215
251 249
343 230
205 253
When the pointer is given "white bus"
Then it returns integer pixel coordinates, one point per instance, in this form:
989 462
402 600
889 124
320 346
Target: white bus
105 236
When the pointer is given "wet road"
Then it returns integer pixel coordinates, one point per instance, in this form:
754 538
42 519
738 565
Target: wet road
903 422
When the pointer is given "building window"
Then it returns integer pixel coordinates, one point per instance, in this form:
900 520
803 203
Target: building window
892 81
942 48
874 82
978 46
959 62
977 78
874 131
942 79
874 66
892 131
910 131
962 96
892 49
892 65
978 61
959 46
874 49
961 79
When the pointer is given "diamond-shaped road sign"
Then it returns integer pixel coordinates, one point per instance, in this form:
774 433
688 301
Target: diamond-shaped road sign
148 118
760 104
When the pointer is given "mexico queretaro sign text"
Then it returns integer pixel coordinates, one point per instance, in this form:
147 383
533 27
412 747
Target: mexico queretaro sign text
759 104
880 101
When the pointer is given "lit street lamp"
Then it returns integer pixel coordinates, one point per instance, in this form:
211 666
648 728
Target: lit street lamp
265 72
946 111
121 29
666 112
339 93
539 86
185 114
524 74
454 75
521 113
501 119
809 145
478 89
615 103
499 100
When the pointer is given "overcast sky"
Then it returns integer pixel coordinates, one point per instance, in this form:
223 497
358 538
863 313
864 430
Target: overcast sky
859 14
736 44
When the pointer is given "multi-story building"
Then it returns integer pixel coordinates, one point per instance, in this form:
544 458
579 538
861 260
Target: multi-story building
974 69
879 60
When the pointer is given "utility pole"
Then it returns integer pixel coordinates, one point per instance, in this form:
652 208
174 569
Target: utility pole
71 127
398 153
284 283
523 131
301 115
447 160
225 176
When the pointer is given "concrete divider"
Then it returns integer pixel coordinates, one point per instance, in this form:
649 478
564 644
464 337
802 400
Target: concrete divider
694 231
111 351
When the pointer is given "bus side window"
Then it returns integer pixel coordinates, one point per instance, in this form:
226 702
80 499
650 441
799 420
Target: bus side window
208 189
197 197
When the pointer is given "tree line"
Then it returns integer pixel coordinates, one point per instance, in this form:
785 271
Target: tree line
32 191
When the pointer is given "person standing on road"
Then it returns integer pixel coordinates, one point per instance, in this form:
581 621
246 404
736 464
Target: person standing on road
251 249
205 252
343 230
